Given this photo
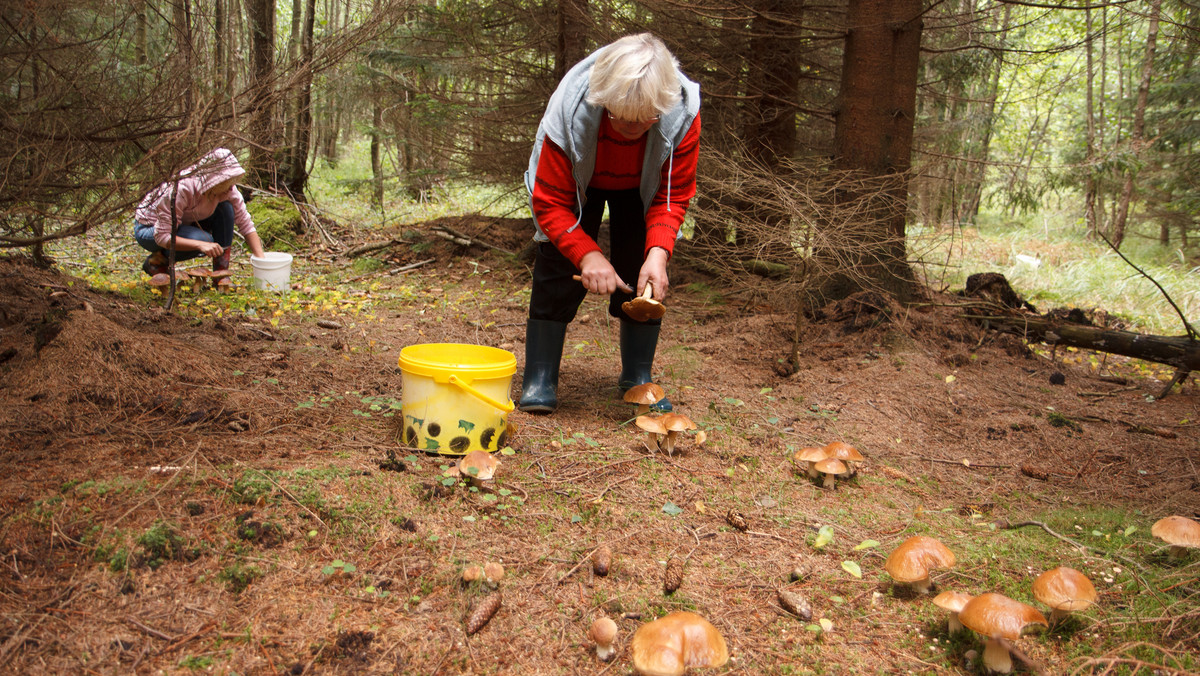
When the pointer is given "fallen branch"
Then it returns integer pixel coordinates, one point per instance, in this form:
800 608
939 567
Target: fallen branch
373 246
448 233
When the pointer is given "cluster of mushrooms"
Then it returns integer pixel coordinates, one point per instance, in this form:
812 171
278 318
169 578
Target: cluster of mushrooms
220 279
662 431
1000 619
668 646
833 461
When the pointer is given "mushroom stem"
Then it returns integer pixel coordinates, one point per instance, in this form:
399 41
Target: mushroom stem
605 653
669 446
996 657
1178 552
642 409
812 471
1058 615
953 624
829 480
922 586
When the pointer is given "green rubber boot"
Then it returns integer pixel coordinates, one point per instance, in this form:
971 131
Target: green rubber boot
638 344
543 352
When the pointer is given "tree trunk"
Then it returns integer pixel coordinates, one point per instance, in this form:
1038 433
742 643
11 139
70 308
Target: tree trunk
261 16
1179 351
377 154
873 140
1139 125
573 22
298 171
139 33
1089 183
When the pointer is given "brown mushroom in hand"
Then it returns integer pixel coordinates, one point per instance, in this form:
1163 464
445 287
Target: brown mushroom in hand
830 467
998 617
915 558
604 633
655 430
479 466
675 423
810 457
1180 532
645 396
198 275
679 641
846 453
1064 590
644 307
952 602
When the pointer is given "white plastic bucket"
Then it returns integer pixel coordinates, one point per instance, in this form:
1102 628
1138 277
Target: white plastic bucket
272 272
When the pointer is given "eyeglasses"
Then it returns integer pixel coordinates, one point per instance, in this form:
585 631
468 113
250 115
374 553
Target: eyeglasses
635 123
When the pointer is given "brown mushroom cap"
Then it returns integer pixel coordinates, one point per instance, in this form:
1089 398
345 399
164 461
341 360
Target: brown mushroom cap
1064 589
603 631
1178 531
644 394
220 274
844 451
997 616
478 465
677 422
810 454
831 466
679 641
916 557
952 601
650 423
161 279
198 272
643 307
493 572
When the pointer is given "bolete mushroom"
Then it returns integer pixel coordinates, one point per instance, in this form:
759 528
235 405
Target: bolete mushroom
915 558
479 466
953 603
654 428
198 275
643 307
831 468
645 396
675 423
604 633
1180 532
810 456
676 642
846 453
492 574
160 280
1064 590
997 617
221 279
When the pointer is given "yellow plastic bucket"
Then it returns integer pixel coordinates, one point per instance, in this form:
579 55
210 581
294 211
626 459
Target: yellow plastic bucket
456 397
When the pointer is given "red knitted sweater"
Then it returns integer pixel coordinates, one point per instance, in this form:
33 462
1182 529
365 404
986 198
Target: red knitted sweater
618 167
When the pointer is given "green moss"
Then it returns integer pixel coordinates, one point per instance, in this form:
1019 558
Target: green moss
279 223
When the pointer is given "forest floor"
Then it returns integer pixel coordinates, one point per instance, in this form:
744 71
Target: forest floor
217 491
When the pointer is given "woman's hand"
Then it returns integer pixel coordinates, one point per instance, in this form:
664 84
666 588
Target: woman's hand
598 275
211 249
654 271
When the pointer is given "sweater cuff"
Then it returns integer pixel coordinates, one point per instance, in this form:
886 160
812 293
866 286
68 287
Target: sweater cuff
576 247
661 236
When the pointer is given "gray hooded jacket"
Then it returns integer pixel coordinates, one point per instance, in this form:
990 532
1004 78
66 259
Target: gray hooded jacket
574 125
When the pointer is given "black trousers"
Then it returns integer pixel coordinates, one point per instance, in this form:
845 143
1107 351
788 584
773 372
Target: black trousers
556 297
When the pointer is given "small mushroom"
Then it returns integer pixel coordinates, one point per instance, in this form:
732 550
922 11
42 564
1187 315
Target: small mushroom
676 642
830 467
846 453
655 430
472 573
915 558
952 602
160 280
810 456
1180 532
604 633
492 574
221 279
675 423
645 396
644 308
198 275
998 617
479 466
1064 590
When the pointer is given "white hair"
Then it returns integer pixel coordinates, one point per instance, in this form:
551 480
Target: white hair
635 78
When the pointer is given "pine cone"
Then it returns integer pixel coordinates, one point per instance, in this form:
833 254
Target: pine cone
673 577
734 518
1035 472
602 561
483 613
795 604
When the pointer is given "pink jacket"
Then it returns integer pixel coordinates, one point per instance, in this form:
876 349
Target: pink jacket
191 204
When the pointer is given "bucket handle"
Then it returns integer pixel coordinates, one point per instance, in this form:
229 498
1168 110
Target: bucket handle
506 407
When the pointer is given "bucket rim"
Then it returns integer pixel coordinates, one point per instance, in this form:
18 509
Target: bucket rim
438 361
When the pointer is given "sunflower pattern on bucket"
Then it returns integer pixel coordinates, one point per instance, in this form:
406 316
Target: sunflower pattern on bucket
466 436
